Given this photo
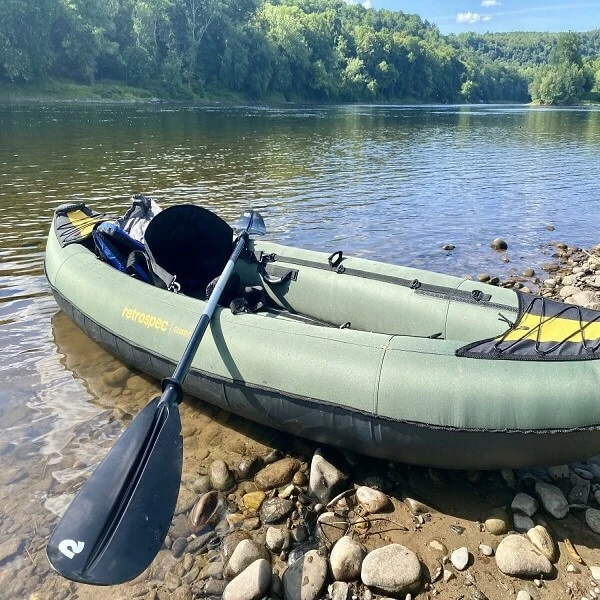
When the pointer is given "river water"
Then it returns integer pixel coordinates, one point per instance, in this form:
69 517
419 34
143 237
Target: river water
384 182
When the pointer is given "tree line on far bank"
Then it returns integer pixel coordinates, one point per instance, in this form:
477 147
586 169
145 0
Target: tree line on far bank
314 50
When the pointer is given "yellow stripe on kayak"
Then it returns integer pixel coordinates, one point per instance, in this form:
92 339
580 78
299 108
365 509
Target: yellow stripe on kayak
552 329
82 222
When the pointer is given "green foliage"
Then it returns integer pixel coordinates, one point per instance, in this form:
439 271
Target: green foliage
324 50
567 50
559 84
471 91
565 80
25 46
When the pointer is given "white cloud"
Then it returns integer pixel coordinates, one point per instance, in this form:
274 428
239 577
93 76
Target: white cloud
367 4
489 3
471 17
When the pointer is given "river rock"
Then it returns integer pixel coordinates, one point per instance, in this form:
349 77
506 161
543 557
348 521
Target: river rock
552 499
171 581
304 579
325 478
339 590
372 500
245 553
220 475
392 569
498 523
252 501
179 546
213 587
346 559
299 479
116 377
460 558
230 542
417 507
183 592
438 548
550 267
209 509
570 280
277 539
136 383
179 527
499 244
9 548
540 537
585 298
580 492
212 569
276 474
522 523
586 473
517 556
525 503
201 485
592 518
251 584
559 472
275 509
568 291
595 570
330 528
248 466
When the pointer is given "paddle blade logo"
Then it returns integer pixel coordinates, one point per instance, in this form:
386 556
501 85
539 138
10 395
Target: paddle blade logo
70 548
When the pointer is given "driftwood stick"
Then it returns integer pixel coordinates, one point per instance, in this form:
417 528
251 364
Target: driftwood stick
594 258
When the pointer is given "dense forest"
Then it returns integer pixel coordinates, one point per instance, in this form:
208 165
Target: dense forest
315 50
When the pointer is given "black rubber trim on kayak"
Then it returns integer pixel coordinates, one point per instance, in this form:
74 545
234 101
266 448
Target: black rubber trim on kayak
363 432
477 297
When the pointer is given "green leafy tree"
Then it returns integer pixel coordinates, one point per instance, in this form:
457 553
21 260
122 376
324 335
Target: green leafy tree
81 34
565 81
25 44
561 84
567 51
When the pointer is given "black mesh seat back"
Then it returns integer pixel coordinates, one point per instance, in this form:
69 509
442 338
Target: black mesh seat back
191 243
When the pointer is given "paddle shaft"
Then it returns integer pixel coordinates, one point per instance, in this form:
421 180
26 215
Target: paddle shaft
173 384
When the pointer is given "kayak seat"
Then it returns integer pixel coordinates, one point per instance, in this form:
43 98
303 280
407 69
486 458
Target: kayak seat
190 242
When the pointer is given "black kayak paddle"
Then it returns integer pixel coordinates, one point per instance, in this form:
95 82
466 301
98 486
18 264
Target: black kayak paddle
117 523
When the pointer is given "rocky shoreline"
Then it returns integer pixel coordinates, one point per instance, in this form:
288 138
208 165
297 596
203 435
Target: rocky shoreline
285 519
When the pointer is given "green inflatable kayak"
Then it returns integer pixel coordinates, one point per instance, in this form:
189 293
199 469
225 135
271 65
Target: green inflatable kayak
393 362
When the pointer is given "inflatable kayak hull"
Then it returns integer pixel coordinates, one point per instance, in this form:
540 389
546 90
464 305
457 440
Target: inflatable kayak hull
364 357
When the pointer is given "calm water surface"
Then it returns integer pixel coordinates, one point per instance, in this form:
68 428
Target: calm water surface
389 183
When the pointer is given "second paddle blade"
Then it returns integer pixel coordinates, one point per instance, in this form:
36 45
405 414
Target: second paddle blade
117 523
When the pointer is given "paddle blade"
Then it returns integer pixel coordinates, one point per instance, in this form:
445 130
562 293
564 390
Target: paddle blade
117 523
252 223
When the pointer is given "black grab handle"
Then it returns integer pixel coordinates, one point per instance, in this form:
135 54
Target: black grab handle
335 259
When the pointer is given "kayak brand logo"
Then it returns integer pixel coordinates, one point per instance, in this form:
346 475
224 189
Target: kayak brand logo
70 548
145 319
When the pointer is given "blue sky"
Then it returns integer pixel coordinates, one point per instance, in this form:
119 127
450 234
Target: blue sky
456 16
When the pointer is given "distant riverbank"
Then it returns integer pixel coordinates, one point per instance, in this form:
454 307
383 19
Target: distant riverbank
103 91
56 90
59 90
